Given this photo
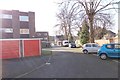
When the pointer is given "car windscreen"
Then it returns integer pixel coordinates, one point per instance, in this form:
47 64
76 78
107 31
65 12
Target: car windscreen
66 42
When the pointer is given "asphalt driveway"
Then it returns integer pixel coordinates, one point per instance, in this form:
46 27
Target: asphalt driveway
60 65
12 68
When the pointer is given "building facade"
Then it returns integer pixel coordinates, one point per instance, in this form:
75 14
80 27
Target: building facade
59 39
119 21
44 36
16 24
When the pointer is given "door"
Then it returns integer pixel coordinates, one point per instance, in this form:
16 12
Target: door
110 50
117 50
95 47
88 47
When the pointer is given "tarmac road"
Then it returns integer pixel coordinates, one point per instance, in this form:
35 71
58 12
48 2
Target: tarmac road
61 65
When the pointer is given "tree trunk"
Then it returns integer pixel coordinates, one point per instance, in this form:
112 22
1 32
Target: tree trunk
66 36
69 34
91 29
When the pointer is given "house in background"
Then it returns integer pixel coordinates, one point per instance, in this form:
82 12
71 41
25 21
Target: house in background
44 37
17 24
59 39
52 40
109 35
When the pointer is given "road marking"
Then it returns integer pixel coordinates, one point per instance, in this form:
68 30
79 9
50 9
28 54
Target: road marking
46 63
30 71
116 61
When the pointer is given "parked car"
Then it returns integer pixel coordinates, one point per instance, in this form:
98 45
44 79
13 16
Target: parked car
65 43
90 48
109 50
72 45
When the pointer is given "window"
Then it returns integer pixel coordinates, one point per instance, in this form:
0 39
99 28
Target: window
39 34
117 46
88 45
24 31
45 34
7 30
66 42
95 45
110 46
45 38
6 16
24 35
23 18
41 38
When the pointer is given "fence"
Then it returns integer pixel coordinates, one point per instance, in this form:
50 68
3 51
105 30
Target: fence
17 48
101 42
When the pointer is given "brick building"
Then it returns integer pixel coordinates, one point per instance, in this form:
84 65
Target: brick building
44 36
16 24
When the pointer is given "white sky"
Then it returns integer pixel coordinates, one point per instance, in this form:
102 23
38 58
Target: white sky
45 12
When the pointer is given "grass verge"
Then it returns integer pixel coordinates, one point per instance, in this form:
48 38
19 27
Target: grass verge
76 50
46 52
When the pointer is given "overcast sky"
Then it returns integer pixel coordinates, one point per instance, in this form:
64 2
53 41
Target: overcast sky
45 12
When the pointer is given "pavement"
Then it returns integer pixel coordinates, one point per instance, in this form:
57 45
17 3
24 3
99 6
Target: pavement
60 65
64 49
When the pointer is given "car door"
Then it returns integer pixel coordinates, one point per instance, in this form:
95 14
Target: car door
117 50
94 47
110 50
88 47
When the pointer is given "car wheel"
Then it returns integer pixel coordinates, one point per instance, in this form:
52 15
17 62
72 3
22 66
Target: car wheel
103 56
85 51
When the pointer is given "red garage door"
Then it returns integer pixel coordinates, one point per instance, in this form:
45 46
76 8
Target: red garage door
10 49
31 48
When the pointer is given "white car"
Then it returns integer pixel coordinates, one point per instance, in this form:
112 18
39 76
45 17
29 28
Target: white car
65 43
90 48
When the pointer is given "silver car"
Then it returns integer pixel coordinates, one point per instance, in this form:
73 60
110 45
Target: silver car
90 48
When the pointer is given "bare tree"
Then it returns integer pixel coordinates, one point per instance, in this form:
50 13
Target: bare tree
67 16
96 12
62 23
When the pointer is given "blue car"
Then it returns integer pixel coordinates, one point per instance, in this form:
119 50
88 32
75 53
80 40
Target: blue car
109 50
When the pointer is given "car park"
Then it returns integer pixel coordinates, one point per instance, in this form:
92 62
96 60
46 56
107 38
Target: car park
109 51
90 48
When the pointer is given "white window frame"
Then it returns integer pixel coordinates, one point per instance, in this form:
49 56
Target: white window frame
23 18
7 30
5 16
24 31
46 38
